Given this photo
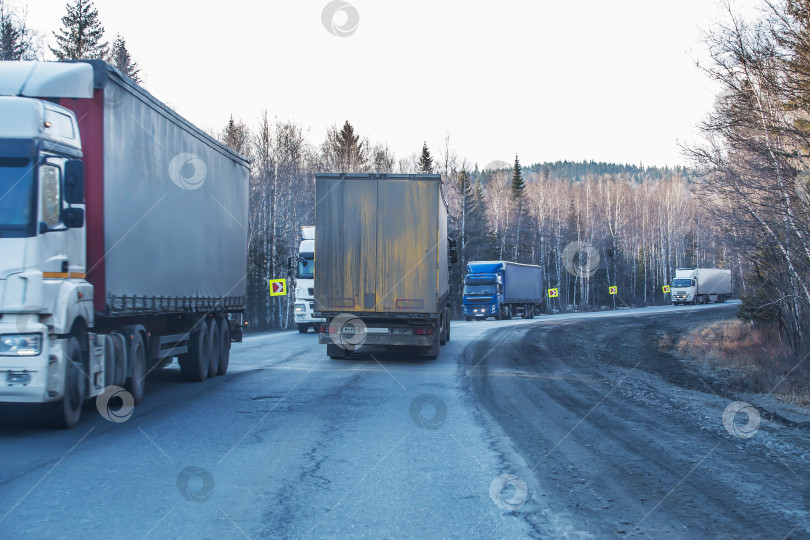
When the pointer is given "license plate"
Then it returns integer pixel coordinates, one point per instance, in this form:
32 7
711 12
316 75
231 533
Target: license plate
376 330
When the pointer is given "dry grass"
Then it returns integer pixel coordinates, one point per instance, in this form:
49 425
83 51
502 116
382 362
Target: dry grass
756 357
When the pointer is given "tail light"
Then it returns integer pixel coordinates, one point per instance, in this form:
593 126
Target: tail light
423 331
324 329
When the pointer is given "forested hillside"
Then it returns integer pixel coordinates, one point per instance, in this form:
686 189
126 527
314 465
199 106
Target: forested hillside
590 225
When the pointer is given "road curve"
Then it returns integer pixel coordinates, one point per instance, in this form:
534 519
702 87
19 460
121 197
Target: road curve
566 425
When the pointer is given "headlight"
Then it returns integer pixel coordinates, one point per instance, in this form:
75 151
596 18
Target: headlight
300 308
20 344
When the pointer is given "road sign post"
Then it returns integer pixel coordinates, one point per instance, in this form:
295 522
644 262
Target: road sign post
554 293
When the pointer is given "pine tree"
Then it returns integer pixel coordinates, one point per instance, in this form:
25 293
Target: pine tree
81 35
121 59
343 151
425 160
16 40
518 185
237 136
10 47
352 152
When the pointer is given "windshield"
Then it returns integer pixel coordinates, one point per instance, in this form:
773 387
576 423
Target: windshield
481 289
16 193
683 282
306 266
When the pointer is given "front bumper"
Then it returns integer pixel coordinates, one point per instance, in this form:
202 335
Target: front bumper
303 314
479 310
31 379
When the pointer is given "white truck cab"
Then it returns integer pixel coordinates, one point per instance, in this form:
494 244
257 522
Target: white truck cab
305 282
700 285
43 289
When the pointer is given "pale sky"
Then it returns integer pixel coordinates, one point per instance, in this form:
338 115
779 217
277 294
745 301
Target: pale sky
589 79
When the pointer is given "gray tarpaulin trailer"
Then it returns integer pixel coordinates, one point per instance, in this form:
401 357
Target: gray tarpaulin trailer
382 255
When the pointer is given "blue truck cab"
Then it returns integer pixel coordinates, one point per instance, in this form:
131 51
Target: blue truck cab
501 289
483 293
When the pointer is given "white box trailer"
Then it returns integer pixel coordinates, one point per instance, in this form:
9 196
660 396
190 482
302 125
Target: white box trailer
701 285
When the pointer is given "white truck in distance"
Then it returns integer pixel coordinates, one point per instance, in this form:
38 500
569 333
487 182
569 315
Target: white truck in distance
701 285
305 282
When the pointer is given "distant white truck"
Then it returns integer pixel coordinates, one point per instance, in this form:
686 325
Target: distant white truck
700 285
304 266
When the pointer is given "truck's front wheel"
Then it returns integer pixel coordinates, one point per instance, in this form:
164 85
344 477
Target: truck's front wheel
67 411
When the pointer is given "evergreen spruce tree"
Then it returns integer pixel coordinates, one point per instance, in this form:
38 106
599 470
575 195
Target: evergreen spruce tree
351 151
518 185
81 36
121 59
237 136
425 160
16 40
10 45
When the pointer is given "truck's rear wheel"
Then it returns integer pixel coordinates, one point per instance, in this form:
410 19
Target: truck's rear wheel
194 364
66 412
213 347
443 330
136 383
224 346
447 334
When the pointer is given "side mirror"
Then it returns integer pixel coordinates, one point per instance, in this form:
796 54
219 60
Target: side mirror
453 250
73 218
74 181
291 263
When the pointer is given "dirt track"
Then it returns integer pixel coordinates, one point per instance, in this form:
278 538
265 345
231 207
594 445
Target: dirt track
619 437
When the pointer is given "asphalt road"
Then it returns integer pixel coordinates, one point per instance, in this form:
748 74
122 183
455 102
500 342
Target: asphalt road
569 425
